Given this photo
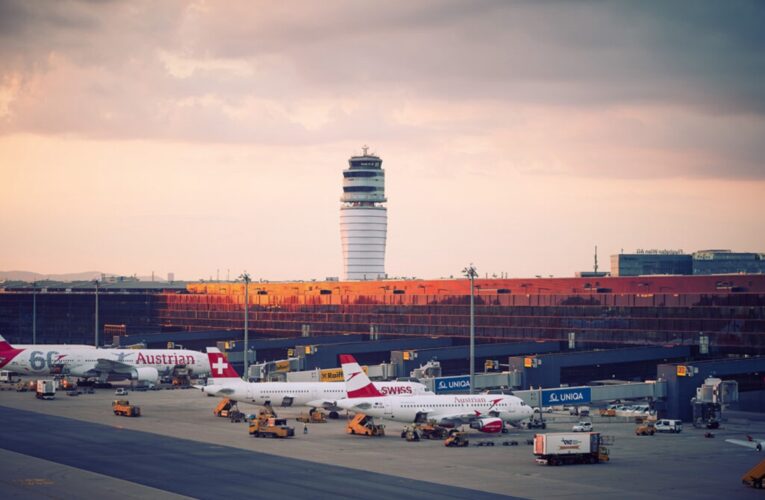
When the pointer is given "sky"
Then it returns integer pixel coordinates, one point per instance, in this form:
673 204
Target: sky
209 138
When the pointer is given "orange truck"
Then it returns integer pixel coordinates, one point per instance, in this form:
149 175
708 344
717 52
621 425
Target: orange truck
124 408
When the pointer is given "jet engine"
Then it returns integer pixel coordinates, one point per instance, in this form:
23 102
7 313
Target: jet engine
491 425
145 374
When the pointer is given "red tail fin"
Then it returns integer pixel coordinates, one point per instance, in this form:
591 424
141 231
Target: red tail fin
7 352
357 384
4 346
219 365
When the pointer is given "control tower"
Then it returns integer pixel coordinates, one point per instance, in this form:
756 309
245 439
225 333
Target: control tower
363 220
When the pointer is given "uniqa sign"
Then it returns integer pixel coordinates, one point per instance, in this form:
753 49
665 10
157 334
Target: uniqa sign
575 395
452 384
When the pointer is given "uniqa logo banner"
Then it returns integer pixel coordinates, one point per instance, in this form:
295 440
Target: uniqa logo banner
567 396
452 384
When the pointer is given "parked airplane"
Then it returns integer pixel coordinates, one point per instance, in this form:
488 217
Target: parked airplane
145 365
749 442
486 412
225 382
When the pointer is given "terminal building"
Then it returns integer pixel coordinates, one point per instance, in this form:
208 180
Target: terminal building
728 262
675 262
729 311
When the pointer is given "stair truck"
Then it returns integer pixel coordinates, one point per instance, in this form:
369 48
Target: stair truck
224 407
560 448
364 425
755 476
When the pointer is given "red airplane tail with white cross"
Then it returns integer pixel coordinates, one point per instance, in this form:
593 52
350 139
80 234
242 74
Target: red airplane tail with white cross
357 384
220 369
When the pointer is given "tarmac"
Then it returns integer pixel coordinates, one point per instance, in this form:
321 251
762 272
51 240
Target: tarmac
75 446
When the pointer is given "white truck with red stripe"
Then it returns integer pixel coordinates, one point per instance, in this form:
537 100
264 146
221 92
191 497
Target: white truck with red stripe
558 448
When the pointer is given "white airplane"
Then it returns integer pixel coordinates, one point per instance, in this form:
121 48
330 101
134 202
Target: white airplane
225 382
145 365
487 412
749 442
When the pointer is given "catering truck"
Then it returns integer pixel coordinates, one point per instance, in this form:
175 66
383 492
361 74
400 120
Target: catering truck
560 448
46 389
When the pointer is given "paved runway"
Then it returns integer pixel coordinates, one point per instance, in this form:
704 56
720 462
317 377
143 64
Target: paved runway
198 469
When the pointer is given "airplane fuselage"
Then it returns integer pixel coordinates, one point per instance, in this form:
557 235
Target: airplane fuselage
440 407
299 393
85 361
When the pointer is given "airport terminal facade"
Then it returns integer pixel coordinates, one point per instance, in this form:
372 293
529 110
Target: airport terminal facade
729 310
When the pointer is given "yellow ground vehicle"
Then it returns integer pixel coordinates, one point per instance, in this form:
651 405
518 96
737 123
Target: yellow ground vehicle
271 427
456 439
364 425
646 429
608 412
224 408
755 476
314 416
124 408
424 431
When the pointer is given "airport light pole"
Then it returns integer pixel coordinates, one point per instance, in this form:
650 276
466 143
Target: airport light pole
471 274
34 313
96 322
245 351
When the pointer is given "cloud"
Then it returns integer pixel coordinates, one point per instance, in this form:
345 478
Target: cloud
588 88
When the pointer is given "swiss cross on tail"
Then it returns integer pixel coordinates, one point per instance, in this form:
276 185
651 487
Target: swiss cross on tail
219 365
357 384
7 352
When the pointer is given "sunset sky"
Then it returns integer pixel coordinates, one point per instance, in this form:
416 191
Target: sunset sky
191 137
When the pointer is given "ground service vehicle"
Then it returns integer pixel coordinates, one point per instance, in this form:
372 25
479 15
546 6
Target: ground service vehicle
535 422
271 427
124 408
225 406
667 425
46 389
314 416
755 476
432 431
121 392
569 448
582 427
364 425
456 439
608 412
645 429
6 376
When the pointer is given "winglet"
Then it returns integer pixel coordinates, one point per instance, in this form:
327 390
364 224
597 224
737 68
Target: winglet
220 368
357 384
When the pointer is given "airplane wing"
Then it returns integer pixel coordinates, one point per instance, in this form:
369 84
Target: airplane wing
104 365
453 419
755 444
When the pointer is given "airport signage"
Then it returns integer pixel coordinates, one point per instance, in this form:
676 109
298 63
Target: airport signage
567 396
443 385
336 374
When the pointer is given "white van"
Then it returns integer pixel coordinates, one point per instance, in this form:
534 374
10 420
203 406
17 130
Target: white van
666 425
